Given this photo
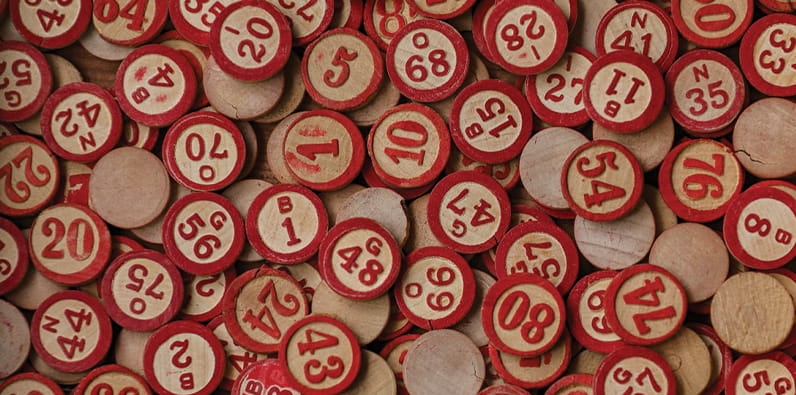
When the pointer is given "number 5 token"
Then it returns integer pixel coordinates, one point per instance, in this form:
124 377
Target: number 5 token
631 369
50 24
203 233
320 355
770 373
31 174
767 55
27 80
645 304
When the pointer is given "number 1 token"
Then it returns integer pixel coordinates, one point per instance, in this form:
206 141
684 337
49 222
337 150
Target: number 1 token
770 373
50 24
129 22
320 354
767 55
27 80
634 369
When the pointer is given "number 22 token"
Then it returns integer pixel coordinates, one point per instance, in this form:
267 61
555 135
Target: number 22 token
31 174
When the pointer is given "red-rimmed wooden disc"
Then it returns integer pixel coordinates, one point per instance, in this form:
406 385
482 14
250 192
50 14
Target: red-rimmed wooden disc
51 24
16 342
204 294
409 146
261 377
308 20
394 352
699 178
491 121
645 304
204 151
359 259
648 371
13 256
481 12
374 181
641 27
71 331
712 24
774 372
384 18
436 289
29 382
136 134
427 60
507 174
128 22
556 94
347 13
69 244
445 9
468 211
184 357
237 359
112 378
29 80
142 290
434 364
720 355
586 313
194 21
503 389
315 342
534 371
573 384
766 57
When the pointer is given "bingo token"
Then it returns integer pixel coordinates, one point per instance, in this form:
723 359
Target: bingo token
342 69
699 178
250 40
350 273
540 248
260 305
240 99
142 290
384 18
720 355
619 243
689 358
347 13
503 389
507 174
306 274
184 357
645 304
521 213
625 27
324 150
374 181
204 151
129 22
623 91
409 146
395 351
237 358
649 146
16 339
481 12
13 256
586 361
71 331
586 313
75 186
263 377
27 383
397 324
602 181
634 370
291 96
436 289
712 24
706 91
523 315
556 94
366 318
759 228
69 244
320 355
573 384
491 121
204 294
8 129
203 233
135 134
32 291
443 362
194 21
375 377
301 219
763 147
471 324
307 20
26 80
427 60
526 37
535 371
155 84
771 373
50 24
767 57
445 9
114 379
469 211
81 122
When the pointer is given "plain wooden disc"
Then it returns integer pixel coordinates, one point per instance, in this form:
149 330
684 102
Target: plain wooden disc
60 377
587 362
92 42
241 194
442 362
366 318
292 95
765 138
590 12
129 187
128 349
33 290
153 231
15 332
689 359
752 313
617 244
334 201
543 160
471 325
382 205
375 377
420 234
274 152
649 146
240 99
665 218
384 99
696 255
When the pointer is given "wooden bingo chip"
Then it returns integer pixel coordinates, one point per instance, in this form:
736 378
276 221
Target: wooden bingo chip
306 273
129 22
540 248
302 223
384 190
27 80
237 359
29 383
71 331
320 355
773 372
342 69
13 256
359 259
292 93
263 377
375 377
308 20
76 183
699 178
383 19
764 147
138 135
766 55
204 151
649 146
573 384
33 290
347 13
114 379
15 331
507 174
51 24
127 349
491 121
712 24
616 244
324 150
441 9
602 181
203 233
184 357
690 360
468 211
759 228
398 324
556 94
586 313
395 351
634 370
274 152
251 40
623 91
503 389
645 304
240 99
142 290
443 362
366 318
204 294
194 21
69 244
535 371
706 91
437 288
471 324
155 84
641 27
427 60
720 355
409 146
260 305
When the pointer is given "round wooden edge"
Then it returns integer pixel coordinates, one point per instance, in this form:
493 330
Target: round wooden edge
574 319
747 54
497 363
462 8
20 267
389 347
626 352
563 382
726 356
40 378
742 362
93 374
266 371
47 82
158 20
374 181
55 174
